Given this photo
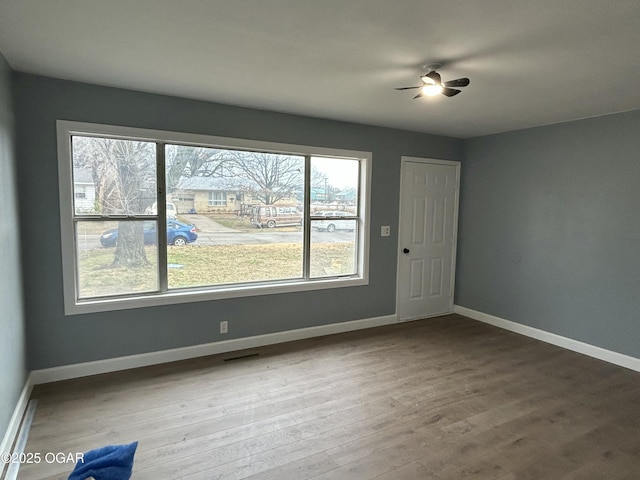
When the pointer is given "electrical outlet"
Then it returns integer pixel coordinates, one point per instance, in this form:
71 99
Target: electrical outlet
224 327
385 231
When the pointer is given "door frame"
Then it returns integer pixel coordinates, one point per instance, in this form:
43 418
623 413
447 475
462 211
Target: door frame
404 160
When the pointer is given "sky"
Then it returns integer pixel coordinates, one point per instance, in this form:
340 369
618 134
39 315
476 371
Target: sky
340 173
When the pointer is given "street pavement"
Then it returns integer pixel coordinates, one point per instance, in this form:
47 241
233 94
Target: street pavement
212 233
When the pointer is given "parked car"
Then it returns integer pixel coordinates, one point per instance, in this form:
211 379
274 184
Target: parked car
333 225
178 234
172 211
333 214
271 216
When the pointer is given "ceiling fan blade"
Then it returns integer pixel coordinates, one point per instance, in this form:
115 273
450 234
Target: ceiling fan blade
405 88
450 92
458 82
418 96
435 76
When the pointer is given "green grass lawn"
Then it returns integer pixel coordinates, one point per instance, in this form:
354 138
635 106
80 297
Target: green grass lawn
195 265
235 222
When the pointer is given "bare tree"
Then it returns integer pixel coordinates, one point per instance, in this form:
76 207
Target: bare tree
318 178
123 172
275 176
267 177
187 161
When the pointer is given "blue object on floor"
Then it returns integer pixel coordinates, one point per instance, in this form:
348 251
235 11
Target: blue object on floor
113 462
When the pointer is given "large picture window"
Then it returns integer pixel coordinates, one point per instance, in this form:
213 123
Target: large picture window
174 217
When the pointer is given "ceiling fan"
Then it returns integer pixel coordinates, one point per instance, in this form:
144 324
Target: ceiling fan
432 84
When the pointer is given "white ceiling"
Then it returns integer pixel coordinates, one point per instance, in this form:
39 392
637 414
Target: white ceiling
531 62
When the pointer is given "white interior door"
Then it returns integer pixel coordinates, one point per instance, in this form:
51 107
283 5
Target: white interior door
427 237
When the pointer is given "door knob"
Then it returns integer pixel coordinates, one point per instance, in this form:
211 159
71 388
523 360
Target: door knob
405 250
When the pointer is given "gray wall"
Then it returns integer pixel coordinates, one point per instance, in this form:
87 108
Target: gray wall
548 232
550 229
13 371
54 339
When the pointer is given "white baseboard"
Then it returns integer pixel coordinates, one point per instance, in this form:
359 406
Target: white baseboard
14 424
153 358
616 358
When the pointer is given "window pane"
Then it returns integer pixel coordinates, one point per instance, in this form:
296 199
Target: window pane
116 258
334 194
333 247
247 208
217 199
113 177
334 185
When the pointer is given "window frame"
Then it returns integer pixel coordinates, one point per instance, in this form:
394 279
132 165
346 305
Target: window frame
66 129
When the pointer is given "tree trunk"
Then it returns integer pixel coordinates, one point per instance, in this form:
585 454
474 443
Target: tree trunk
130 251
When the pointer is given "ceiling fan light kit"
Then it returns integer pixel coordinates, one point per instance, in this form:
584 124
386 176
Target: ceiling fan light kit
432 84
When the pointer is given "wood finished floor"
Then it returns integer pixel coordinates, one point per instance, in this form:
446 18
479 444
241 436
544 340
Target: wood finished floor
444 398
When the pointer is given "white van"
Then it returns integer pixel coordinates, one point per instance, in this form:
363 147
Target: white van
172 211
